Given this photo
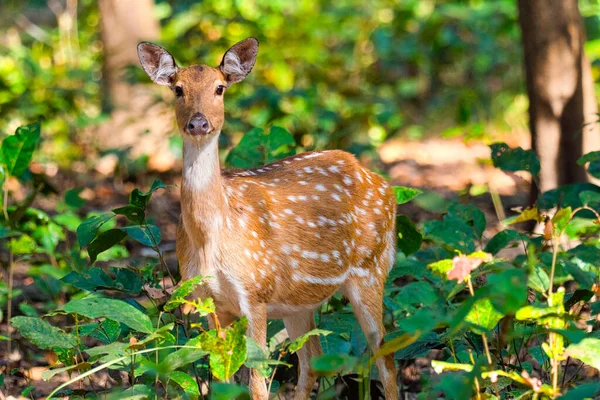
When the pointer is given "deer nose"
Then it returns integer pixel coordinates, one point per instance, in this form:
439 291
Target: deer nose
198 125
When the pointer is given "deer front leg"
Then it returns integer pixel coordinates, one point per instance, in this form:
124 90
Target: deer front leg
257 330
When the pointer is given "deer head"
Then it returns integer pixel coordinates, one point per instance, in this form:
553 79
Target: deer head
199 89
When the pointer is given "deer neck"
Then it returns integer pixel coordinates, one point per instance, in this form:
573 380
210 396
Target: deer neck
202 195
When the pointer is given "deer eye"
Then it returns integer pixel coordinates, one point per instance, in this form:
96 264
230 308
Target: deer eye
178 91
220 90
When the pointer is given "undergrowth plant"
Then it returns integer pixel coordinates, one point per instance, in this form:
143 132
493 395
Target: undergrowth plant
511 316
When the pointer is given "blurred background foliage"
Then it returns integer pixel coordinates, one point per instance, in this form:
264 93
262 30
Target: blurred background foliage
345 74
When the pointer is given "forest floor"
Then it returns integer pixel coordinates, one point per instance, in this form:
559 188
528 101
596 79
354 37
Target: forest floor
449 168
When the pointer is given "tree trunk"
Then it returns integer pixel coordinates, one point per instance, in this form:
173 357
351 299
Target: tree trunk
124 25
562 110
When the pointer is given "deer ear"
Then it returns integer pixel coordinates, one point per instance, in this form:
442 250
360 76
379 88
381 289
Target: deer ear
157 62
239 60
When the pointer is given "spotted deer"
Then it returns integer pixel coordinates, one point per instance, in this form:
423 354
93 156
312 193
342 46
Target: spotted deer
280 240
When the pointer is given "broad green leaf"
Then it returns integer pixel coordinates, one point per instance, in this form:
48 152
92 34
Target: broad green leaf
187 383
86 232
42 334
258 148
502 239
586 253
227 354
133 213
593 158
117 310
106 331
535 312
514 159
332 364
48 374
409 239
590 198
539 279
148 235
584 391
22 245
141 199
441 267
508 290
587 351
185 289
300 341
17 150
483 315
560 221
228 391
528 214
395 344
105 241
452 233
187 355
405 194
72 198
470 214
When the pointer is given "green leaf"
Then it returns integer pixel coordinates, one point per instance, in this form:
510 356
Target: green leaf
539 279
141 199
117 310
332 364
452 233
86 232
72 198
409 239
42 334
227 354
560 221
593 158
228 391
587 351
535 312
185 289
17 150
528 214
586 253
104 241
300 341
187 383
148 235
441 268
508 290
258 148
393 345
405 194
584 391
24 244
133 213
187 355
590 198
514 159
502 239
483 315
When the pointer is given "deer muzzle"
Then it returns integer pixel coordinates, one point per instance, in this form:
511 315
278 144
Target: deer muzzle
198 125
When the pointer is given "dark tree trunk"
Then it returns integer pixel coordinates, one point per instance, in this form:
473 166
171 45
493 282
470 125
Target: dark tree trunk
124 25
563 106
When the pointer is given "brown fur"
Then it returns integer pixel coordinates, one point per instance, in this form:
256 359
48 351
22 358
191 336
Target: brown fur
279 240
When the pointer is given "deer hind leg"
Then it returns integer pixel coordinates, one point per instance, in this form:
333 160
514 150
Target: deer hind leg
367 303
296 326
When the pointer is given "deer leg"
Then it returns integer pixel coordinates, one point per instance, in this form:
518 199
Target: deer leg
257 330
296 326
367 303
